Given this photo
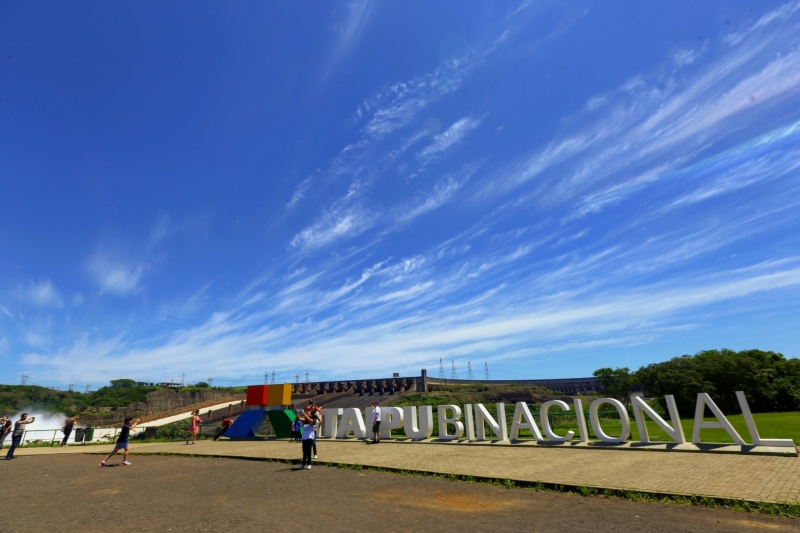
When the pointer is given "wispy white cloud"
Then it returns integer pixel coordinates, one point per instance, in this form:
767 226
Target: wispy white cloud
42 294
113 275
335 224
349 32
451 137
442 192
299 192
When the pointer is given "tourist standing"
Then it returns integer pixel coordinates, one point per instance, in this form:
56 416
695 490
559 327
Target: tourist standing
376 423
5 429
194 426
308 437
297 426
313 410
225 426
19 430
69 424
122 442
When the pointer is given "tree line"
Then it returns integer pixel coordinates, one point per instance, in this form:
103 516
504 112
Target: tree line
770 381
119 393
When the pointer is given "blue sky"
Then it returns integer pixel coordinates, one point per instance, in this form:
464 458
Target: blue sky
356 188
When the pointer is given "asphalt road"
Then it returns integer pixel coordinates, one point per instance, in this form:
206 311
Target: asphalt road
71 493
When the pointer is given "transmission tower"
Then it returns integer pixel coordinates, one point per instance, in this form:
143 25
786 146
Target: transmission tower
266 380
25 379
88 386
211 382
71 386
306 376
453 374
183 379
297 378
486 366
273 378
469 371
441 369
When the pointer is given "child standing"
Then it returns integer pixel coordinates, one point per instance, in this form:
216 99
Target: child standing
122 442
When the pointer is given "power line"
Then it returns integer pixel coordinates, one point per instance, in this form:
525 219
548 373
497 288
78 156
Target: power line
441 369
469 371
453 374
486 366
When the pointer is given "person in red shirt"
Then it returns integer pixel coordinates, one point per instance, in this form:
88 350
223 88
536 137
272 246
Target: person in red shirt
226 423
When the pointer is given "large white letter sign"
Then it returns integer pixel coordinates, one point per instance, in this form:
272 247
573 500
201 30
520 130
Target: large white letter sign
548 431
329 421
368 420
523 419
351 421
640 408
391 418
498 426
704 399
444 420
581 419
425 422
469 425
594 418
751 426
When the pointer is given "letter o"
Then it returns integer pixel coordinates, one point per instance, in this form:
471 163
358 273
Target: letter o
623 416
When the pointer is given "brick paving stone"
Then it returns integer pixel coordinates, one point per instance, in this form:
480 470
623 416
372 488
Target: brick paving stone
756 477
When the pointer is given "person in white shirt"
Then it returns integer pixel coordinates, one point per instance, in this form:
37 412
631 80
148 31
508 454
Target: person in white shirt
309 421
376 423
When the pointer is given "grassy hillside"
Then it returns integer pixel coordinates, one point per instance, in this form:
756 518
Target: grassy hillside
120 393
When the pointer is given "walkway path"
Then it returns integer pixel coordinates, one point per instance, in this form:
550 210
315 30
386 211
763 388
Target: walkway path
764 478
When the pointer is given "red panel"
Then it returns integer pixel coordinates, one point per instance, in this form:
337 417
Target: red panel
257 395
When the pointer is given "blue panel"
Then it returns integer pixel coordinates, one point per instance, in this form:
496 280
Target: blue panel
247 424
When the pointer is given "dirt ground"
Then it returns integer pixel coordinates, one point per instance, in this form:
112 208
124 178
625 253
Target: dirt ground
71 493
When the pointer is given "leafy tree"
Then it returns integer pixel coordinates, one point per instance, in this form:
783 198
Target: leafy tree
201 385
617 381
122 383
769 380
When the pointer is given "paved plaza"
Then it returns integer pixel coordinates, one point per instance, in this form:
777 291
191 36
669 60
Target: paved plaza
762 478
69 493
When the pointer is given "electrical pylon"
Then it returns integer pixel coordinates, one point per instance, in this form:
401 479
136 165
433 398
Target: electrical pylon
486 366
469 371
453 374
441 369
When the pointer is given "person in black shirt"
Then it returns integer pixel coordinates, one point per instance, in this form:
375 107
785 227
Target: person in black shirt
19 430
122 442
67 429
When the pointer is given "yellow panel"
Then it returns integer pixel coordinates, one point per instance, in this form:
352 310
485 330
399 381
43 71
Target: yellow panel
279 394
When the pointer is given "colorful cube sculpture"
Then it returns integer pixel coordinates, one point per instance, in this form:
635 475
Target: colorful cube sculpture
257 395
279 394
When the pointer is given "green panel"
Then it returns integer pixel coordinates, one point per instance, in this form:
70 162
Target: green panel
282 422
